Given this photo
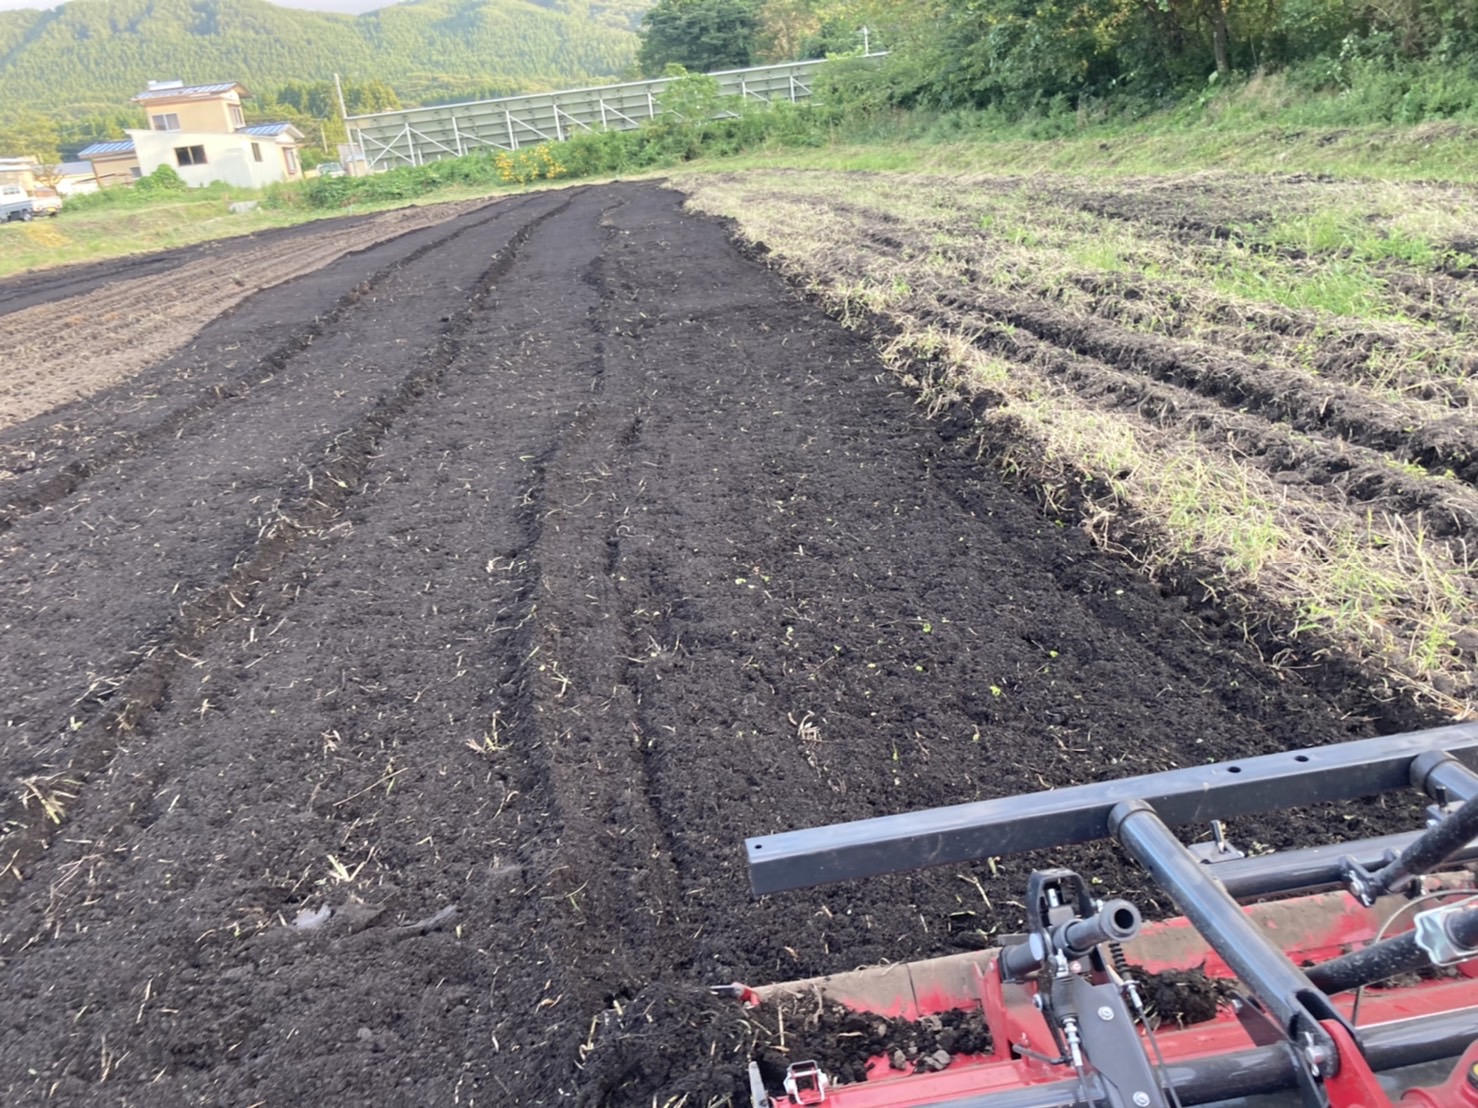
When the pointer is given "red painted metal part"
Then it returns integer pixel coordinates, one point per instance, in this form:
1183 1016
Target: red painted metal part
1354 1086
1305 929
1459 1091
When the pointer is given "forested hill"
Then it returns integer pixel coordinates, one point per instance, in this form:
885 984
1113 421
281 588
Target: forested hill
96 54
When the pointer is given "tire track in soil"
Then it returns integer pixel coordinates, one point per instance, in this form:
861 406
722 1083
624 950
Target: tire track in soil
112 713
602 893
706 511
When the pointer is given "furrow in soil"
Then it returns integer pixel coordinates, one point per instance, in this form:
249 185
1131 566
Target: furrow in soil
465 654
93 690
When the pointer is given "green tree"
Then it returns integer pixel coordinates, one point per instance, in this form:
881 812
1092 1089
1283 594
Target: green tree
787 27
692 96
35 137
699 35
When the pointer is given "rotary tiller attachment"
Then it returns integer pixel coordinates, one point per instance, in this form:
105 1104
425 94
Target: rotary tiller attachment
1293 944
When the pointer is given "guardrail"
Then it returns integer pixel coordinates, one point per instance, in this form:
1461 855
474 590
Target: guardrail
414 136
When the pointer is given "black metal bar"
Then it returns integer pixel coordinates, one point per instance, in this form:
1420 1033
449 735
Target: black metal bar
1282 989
1432 848
1444 778
1011 825
1376 962
1387 958
1412 1042
1314 867
1117 921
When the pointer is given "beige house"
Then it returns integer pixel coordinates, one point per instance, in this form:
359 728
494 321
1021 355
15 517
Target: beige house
200 132
113 163
19 171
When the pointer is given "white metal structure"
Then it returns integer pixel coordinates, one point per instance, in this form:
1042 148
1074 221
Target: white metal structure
414 136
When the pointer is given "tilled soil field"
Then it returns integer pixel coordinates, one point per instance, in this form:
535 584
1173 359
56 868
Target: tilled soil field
398 655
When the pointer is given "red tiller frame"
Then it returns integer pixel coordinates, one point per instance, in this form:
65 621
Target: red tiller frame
1312 928
1294 1023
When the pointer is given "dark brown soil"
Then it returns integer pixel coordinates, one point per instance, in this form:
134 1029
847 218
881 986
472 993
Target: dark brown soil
683 1040
43 286
524 566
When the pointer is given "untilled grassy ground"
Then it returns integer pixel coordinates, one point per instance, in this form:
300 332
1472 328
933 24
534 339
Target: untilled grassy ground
1262 385
394 670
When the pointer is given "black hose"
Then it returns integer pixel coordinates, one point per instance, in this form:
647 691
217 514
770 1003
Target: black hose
1390 957
1435 846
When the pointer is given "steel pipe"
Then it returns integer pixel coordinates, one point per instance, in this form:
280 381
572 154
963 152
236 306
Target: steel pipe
1402 954
1282 989
1431 849
1443 777
1314 867
1267 1069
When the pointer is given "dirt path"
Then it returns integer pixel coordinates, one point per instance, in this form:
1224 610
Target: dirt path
486 588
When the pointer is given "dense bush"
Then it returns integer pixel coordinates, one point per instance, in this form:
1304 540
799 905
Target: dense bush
1398 62
163 179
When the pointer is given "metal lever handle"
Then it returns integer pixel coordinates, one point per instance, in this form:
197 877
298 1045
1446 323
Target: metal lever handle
1116 921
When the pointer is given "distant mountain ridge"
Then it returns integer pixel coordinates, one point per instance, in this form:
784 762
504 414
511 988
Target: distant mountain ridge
96 54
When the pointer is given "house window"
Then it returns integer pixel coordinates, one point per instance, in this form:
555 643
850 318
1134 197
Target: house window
169 121
291 157
135 171
237 119
189 155
256 151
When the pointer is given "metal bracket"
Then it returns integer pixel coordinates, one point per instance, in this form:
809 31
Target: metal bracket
1219 849
805 1083
1433 936
759 1097
1112 1047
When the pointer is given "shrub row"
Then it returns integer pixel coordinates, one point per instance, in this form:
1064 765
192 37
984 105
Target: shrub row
588 154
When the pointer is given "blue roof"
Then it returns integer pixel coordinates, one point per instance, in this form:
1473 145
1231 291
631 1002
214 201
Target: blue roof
177 91
98 149
265 129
